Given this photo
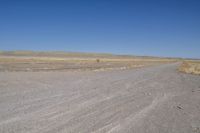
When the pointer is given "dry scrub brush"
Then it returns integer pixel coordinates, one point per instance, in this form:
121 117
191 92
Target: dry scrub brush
190 67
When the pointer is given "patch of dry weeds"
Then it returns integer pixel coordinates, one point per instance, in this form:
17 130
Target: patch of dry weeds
192 67
71 63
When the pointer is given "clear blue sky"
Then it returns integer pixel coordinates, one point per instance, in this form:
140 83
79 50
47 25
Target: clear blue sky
139 27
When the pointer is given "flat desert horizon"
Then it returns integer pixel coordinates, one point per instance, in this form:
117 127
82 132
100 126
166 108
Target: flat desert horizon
100 66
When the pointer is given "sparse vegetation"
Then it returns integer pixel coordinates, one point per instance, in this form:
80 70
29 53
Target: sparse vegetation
98 60
192 67
55 61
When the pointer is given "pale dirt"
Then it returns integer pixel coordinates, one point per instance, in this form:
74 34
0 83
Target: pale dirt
156 99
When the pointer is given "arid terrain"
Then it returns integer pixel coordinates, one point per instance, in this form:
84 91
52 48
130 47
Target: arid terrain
60 61
43 95
191 67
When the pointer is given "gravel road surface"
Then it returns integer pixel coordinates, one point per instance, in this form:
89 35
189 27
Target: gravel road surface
148 100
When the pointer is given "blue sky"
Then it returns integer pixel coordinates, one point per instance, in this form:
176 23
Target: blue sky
139 27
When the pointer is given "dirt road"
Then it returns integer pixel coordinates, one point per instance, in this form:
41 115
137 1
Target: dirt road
147 100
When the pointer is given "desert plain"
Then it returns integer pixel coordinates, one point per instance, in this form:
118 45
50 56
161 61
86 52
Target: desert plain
59 92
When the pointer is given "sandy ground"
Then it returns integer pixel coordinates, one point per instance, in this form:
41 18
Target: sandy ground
148 100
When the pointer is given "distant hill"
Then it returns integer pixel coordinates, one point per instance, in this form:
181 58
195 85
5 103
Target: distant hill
70 54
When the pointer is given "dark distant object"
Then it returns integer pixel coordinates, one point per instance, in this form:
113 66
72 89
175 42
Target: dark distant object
98 60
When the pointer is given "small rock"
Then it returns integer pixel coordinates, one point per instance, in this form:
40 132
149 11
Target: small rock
179 107
197 130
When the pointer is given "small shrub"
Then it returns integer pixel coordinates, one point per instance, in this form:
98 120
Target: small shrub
97 60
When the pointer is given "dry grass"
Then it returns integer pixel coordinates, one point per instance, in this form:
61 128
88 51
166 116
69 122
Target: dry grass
192 67
25 61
